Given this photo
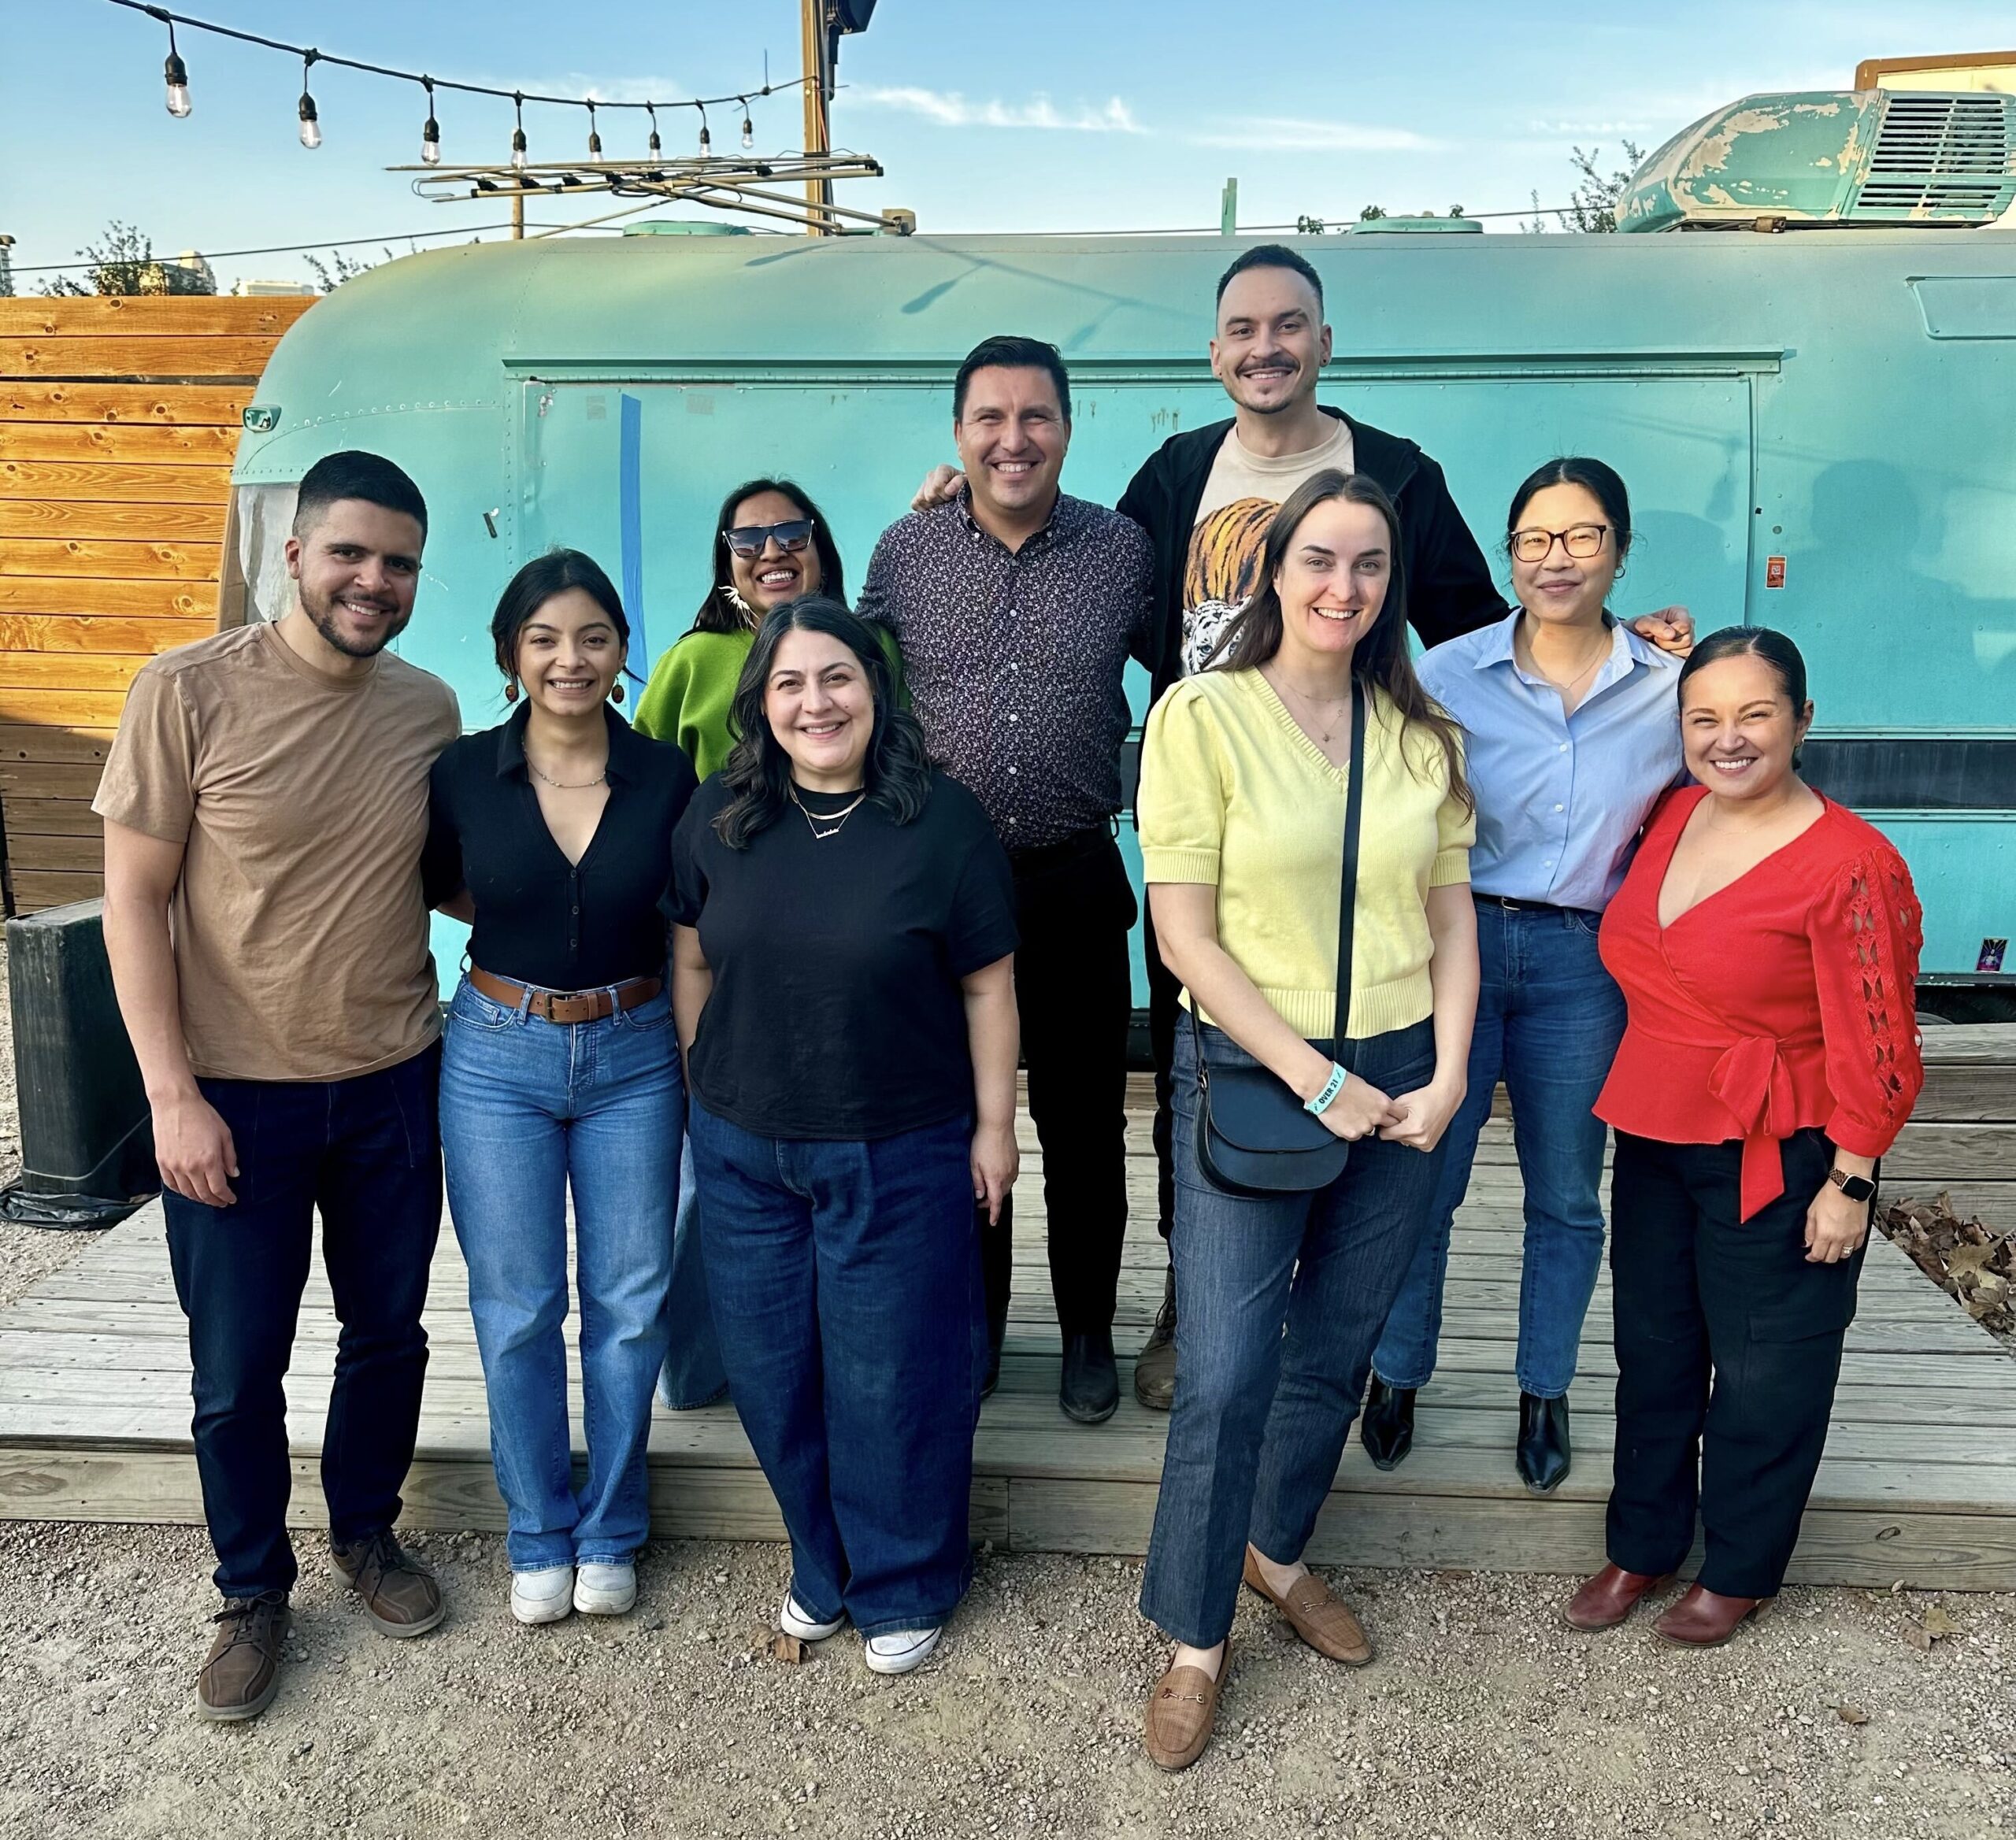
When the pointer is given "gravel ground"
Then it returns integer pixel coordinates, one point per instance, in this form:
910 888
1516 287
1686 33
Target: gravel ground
1483 1715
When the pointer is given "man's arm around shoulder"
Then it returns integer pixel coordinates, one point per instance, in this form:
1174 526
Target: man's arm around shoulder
192 1144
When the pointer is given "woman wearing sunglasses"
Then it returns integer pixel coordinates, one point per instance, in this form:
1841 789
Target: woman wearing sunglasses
1571 724
772 545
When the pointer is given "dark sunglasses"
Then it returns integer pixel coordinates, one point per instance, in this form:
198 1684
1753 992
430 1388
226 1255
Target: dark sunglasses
751 540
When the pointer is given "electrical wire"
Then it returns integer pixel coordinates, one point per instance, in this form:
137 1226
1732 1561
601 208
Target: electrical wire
292 248
313 56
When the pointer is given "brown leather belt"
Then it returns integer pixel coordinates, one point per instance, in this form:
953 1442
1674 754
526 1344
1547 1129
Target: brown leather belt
566 1006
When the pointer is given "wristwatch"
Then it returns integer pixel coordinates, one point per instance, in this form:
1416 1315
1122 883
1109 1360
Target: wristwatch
1857 1188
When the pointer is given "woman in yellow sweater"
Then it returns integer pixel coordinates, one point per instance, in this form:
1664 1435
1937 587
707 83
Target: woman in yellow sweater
1245 775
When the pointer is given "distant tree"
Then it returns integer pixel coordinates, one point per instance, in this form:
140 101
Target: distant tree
1310 226
124 262
340 267
1592 205
1371 213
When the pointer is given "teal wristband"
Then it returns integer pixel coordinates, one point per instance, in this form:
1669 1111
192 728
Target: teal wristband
1331 1088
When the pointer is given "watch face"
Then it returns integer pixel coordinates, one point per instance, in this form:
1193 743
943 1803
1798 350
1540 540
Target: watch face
1857 1188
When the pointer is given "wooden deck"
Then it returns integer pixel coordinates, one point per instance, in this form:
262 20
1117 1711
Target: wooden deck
1919 1482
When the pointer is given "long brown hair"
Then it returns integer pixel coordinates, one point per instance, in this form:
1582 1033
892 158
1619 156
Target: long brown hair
1380 658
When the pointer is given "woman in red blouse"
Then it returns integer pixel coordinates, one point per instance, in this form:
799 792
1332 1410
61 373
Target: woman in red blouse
1767 943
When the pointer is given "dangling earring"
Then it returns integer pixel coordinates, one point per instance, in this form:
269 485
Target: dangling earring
511 691
616 695
748 614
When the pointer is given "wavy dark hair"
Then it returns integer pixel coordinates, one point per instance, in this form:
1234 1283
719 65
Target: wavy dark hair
896 772
537 583
1380 658
718 613
1598 478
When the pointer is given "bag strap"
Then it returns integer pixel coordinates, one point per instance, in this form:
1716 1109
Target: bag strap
1347 900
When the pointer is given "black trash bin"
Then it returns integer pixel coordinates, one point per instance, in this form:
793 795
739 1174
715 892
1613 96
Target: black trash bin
87 1147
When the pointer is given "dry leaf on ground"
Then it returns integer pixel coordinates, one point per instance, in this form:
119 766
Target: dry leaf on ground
1970 1261
774 1644
1852 1715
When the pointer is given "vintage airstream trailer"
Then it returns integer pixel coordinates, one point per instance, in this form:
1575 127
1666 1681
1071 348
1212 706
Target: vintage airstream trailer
1818 429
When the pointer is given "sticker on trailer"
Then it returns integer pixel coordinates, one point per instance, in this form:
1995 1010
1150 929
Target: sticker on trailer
1774 571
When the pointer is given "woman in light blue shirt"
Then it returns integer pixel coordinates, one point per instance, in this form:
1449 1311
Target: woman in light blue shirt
1572 727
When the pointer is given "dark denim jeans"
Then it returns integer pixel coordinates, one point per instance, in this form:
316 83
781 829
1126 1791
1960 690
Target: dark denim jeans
530 1110
1261 1416
846 1283
1549 1019
366 1153
693 1375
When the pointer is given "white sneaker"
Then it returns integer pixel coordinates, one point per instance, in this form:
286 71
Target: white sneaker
793 1621
543 1596
602 1589
900 1650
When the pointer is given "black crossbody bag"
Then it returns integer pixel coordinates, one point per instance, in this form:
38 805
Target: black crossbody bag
1254 1137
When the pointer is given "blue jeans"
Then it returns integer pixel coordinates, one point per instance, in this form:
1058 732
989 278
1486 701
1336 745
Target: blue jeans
693 1375
1261 1416
846 1281
1549 1019
527 1109
364 1152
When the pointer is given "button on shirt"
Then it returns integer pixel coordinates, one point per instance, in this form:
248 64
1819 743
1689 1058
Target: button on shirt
540 919
1013 659
1560 797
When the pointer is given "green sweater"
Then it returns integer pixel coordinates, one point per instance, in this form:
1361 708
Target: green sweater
692 693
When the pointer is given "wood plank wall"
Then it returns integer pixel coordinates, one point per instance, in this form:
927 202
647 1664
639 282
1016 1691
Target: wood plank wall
119 418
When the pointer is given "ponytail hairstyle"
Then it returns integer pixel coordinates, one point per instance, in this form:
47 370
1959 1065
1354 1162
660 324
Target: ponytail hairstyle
1380 659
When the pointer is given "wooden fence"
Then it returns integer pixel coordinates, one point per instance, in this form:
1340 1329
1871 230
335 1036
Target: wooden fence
118 420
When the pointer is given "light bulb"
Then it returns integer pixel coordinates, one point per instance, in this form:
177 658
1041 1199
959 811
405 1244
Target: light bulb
311 128
177 73
748 133
430 143
594 145
518 148
706 141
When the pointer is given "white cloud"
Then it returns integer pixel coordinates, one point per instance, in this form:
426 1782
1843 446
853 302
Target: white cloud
949 109
1287 134
1589 127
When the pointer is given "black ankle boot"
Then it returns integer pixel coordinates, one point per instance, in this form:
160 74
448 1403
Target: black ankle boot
1544 1452
1386 1429
1090 1389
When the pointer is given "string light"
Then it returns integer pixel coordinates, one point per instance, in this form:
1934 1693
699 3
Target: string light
176 74
311 126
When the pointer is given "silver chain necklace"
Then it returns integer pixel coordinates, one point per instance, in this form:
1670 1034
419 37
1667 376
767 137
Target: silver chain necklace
834 819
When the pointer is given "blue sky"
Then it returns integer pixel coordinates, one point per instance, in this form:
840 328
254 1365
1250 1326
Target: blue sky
1059 114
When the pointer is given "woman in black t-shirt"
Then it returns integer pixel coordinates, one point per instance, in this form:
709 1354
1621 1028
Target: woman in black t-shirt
842 979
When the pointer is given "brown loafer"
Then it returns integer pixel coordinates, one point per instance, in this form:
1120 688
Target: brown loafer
1701 1620
400 1595
1182 1710
242 1672
1319 1619
1607 1599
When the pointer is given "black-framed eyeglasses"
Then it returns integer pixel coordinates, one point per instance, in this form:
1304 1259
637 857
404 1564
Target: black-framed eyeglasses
751 540
1579 540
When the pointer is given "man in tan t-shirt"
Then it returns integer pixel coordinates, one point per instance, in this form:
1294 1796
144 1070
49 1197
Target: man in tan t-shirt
265 808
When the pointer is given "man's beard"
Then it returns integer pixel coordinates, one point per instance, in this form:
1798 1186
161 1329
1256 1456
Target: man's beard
321 611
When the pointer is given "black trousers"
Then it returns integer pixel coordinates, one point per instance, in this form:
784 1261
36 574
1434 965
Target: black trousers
366 1153
1074 907
1728 1345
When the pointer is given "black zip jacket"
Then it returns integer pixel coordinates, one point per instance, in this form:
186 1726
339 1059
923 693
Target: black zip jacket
1449 587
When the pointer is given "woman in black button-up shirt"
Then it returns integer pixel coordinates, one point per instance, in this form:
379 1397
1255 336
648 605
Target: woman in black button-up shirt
553 835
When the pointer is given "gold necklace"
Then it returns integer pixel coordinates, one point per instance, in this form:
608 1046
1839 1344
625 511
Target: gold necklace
834 819
566 785
1317 720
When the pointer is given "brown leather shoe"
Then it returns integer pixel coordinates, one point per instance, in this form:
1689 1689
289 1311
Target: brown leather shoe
1182 1710
1701 1620
401 1596
1319 1619
242 1672
1154 1370
1607 1599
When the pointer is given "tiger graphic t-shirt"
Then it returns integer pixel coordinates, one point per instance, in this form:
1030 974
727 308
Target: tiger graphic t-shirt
1239 501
